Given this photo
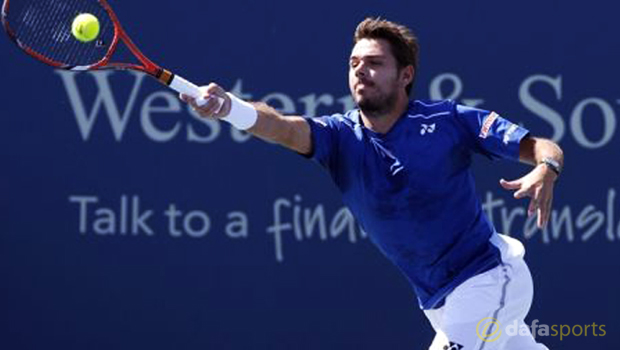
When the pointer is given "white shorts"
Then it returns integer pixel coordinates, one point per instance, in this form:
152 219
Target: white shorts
482 312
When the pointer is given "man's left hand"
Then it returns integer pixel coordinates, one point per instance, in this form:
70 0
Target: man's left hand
537 184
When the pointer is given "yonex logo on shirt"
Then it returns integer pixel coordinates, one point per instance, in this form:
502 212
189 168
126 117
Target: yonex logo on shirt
427 128
453 346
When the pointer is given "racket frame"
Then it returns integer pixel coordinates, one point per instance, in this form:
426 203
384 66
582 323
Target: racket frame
149 67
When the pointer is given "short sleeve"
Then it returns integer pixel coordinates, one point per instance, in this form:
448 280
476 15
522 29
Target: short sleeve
324 133
495 137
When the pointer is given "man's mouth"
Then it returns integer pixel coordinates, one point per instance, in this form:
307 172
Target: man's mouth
364 84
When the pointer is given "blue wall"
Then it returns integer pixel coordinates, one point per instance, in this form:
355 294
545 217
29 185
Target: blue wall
125 223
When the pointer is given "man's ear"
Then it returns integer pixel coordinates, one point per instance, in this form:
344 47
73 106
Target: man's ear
407 74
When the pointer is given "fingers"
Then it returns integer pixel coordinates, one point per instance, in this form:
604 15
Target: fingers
534 203
544 209
524 192
214 102
540 204
217 94
547 210
510 185
533 185
540 220
207 108
214 89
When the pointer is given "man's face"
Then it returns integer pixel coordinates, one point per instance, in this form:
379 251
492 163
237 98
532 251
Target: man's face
373 76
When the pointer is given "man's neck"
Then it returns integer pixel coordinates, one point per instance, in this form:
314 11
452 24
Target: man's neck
383 123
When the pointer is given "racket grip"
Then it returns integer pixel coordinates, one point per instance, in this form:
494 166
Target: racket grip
181 85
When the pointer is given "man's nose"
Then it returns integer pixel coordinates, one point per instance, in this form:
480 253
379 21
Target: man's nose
360 70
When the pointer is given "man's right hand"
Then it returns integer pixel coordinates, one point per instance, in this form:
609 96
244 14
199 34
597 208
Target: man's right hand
213 108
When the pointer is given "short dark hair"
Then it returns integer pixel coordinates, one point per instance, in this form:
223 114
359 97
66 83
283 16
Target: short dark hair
403 42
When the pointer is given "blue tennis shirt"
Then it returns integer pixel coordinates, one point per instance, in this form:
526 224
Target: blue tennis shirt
412 189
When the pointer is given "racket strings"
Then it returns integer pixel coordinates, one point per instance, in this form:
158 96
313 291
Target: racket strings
41 21
44 27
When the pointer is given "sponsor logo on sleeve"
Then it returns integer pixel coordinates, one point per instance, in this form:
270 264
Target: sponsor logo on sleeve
486 126
511 130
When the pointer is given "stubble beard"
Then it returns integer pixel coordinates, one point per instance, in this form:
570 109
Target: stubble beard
378 106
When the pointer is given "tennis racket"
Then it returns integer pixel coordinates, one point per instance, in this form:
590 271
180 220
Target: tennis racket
42 29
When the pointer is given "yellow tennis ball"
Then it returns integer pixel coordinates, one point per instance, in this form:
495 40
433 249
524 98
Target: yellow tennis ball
85 27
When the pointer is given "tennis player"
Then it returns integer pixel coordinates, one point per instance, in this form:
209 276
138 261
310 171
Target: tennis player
404 169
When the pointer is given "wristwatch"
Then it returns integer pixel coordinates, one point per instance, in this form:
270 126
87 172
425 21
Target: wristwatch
553 164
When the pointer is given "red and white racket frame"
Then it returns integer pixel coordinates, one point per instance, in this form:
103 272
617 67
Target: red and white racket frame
164 76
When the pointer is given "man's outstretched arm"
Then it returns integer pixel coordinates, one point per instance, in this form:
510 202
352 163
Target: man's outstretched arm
292 132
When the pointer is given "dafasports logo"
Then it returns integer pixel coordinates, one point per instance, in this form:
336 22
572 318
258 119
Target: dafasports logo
490 329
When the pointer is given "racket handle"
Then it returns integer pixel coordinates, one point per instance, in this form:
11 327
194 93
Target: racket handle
179 84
